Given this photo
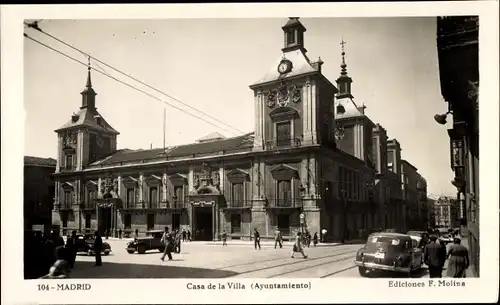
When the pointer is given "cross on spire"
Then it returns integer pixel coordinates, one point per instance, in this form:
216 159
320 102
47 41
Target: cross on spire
342 43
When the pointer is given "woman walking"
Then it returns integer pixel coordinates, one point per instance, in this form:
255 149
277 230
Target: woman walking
458 259
297 247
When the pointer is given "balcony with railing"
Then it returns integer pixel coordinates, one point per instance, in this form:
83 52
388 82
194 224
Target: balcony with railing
282 203
239 204
283 143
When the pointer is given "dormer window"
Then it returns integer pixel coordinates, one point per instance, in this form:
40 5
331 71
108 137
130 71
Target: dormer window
340 109
74 118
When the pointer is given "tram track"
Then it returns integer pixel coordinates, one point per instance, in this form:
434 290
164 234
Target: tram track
312 266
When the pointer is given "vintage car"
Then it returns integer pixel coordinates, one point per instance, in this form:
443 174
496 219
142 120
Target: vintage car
445 239
152 241
85 244
393 252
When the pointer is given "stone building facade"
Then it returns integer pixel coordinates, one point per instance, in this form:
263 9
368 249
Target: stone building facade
310 154
38 192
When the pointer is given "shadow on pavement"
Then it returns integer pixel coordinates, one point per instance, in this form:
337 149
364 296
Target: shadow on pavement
161 270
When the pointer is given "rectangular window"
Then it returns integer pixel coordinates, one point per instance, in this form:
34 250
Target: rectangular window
237 195
176 221
67 199
130 197
290 37
284 224
284 193
88 218
283 133
235 223
153 197
127 223
178 195
92 195
69 161
150 221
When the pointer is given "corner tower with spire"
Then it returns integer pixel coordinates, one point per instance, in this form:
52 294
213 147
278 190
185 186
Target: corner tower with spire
344 81
86 137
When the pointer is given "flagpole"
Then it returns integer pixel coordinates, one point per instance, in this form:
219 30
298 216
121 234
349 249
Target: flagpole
164 127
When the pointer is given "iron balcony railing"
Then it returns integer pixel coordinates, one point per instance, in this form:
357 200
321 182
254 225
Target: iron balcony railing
283 143
239 203
285 203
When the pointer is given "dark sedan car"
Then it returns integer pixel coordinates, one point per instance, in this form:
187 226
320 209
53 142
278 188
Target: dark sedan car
152 241
389 252
85 243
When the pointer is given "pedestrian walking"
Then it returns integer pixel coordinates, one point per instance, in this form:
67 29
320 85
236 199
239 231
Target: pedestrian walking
297 246
98 248
315 239
189 235
136 233
308 239
256 236
434 257
278 239
458 259
167 241
71 246
323 234
224 237
184 234
177 238
120 233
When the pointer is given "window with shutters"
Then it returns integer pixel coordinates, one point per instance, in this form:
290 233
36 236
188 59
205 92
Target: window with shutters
284 193
153 197
67 199
178 196
235 223
237 195
283 133
92 196
130 197
69 161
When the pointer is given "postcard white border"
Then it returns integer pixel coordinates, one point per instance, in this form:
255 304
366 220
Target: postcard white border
17 290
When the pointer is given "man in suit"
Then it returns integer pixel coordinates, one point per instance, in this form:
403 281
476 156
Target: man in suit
167 240
434 257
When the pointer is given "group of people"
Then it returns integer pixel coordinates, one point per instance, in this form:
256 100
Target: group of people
435 256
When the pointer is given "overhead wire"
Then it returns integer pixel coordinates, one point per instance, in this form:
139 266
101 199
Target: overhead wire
124 83
35 26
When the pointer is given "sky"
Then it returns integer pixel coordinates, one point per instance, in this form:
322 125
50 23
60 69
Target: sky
209 65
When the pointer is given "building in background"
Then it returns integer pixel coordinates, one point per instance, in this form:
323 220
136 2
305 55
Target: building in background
413 188
447 213
397 206
431 214
38 192
457 45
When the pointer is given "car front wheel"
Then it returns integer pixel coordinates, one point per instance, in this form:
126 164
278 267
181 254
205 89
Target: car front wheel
130 251
362 271
106 252
141 249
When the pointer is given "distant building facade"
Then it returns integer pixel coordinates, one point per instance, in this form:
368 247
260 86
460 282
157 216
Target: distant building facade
38 192
414 192
431 214
447 213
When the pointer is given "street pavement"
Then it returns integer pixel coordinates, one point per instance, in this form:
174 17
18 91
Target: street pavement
237 260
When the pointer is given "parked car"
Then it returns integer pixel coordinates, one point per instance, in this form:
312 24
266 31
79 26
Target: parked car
392 252
85 243
152 241
445 239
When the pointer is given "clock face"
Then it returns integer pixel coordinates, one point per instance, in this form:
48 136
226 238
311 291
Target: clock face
284 67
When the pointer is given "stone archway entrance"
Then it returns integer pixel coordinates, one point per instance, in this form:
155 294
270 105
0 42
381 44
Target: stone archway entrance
107 208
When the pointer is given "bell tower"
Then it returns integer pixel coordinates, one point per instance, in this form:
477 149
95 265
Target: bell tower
86 137
344 81
294 35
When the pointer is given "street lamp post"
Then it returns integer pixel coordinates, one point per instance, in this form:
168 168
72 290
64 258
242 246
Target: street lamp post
344 212
301 216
